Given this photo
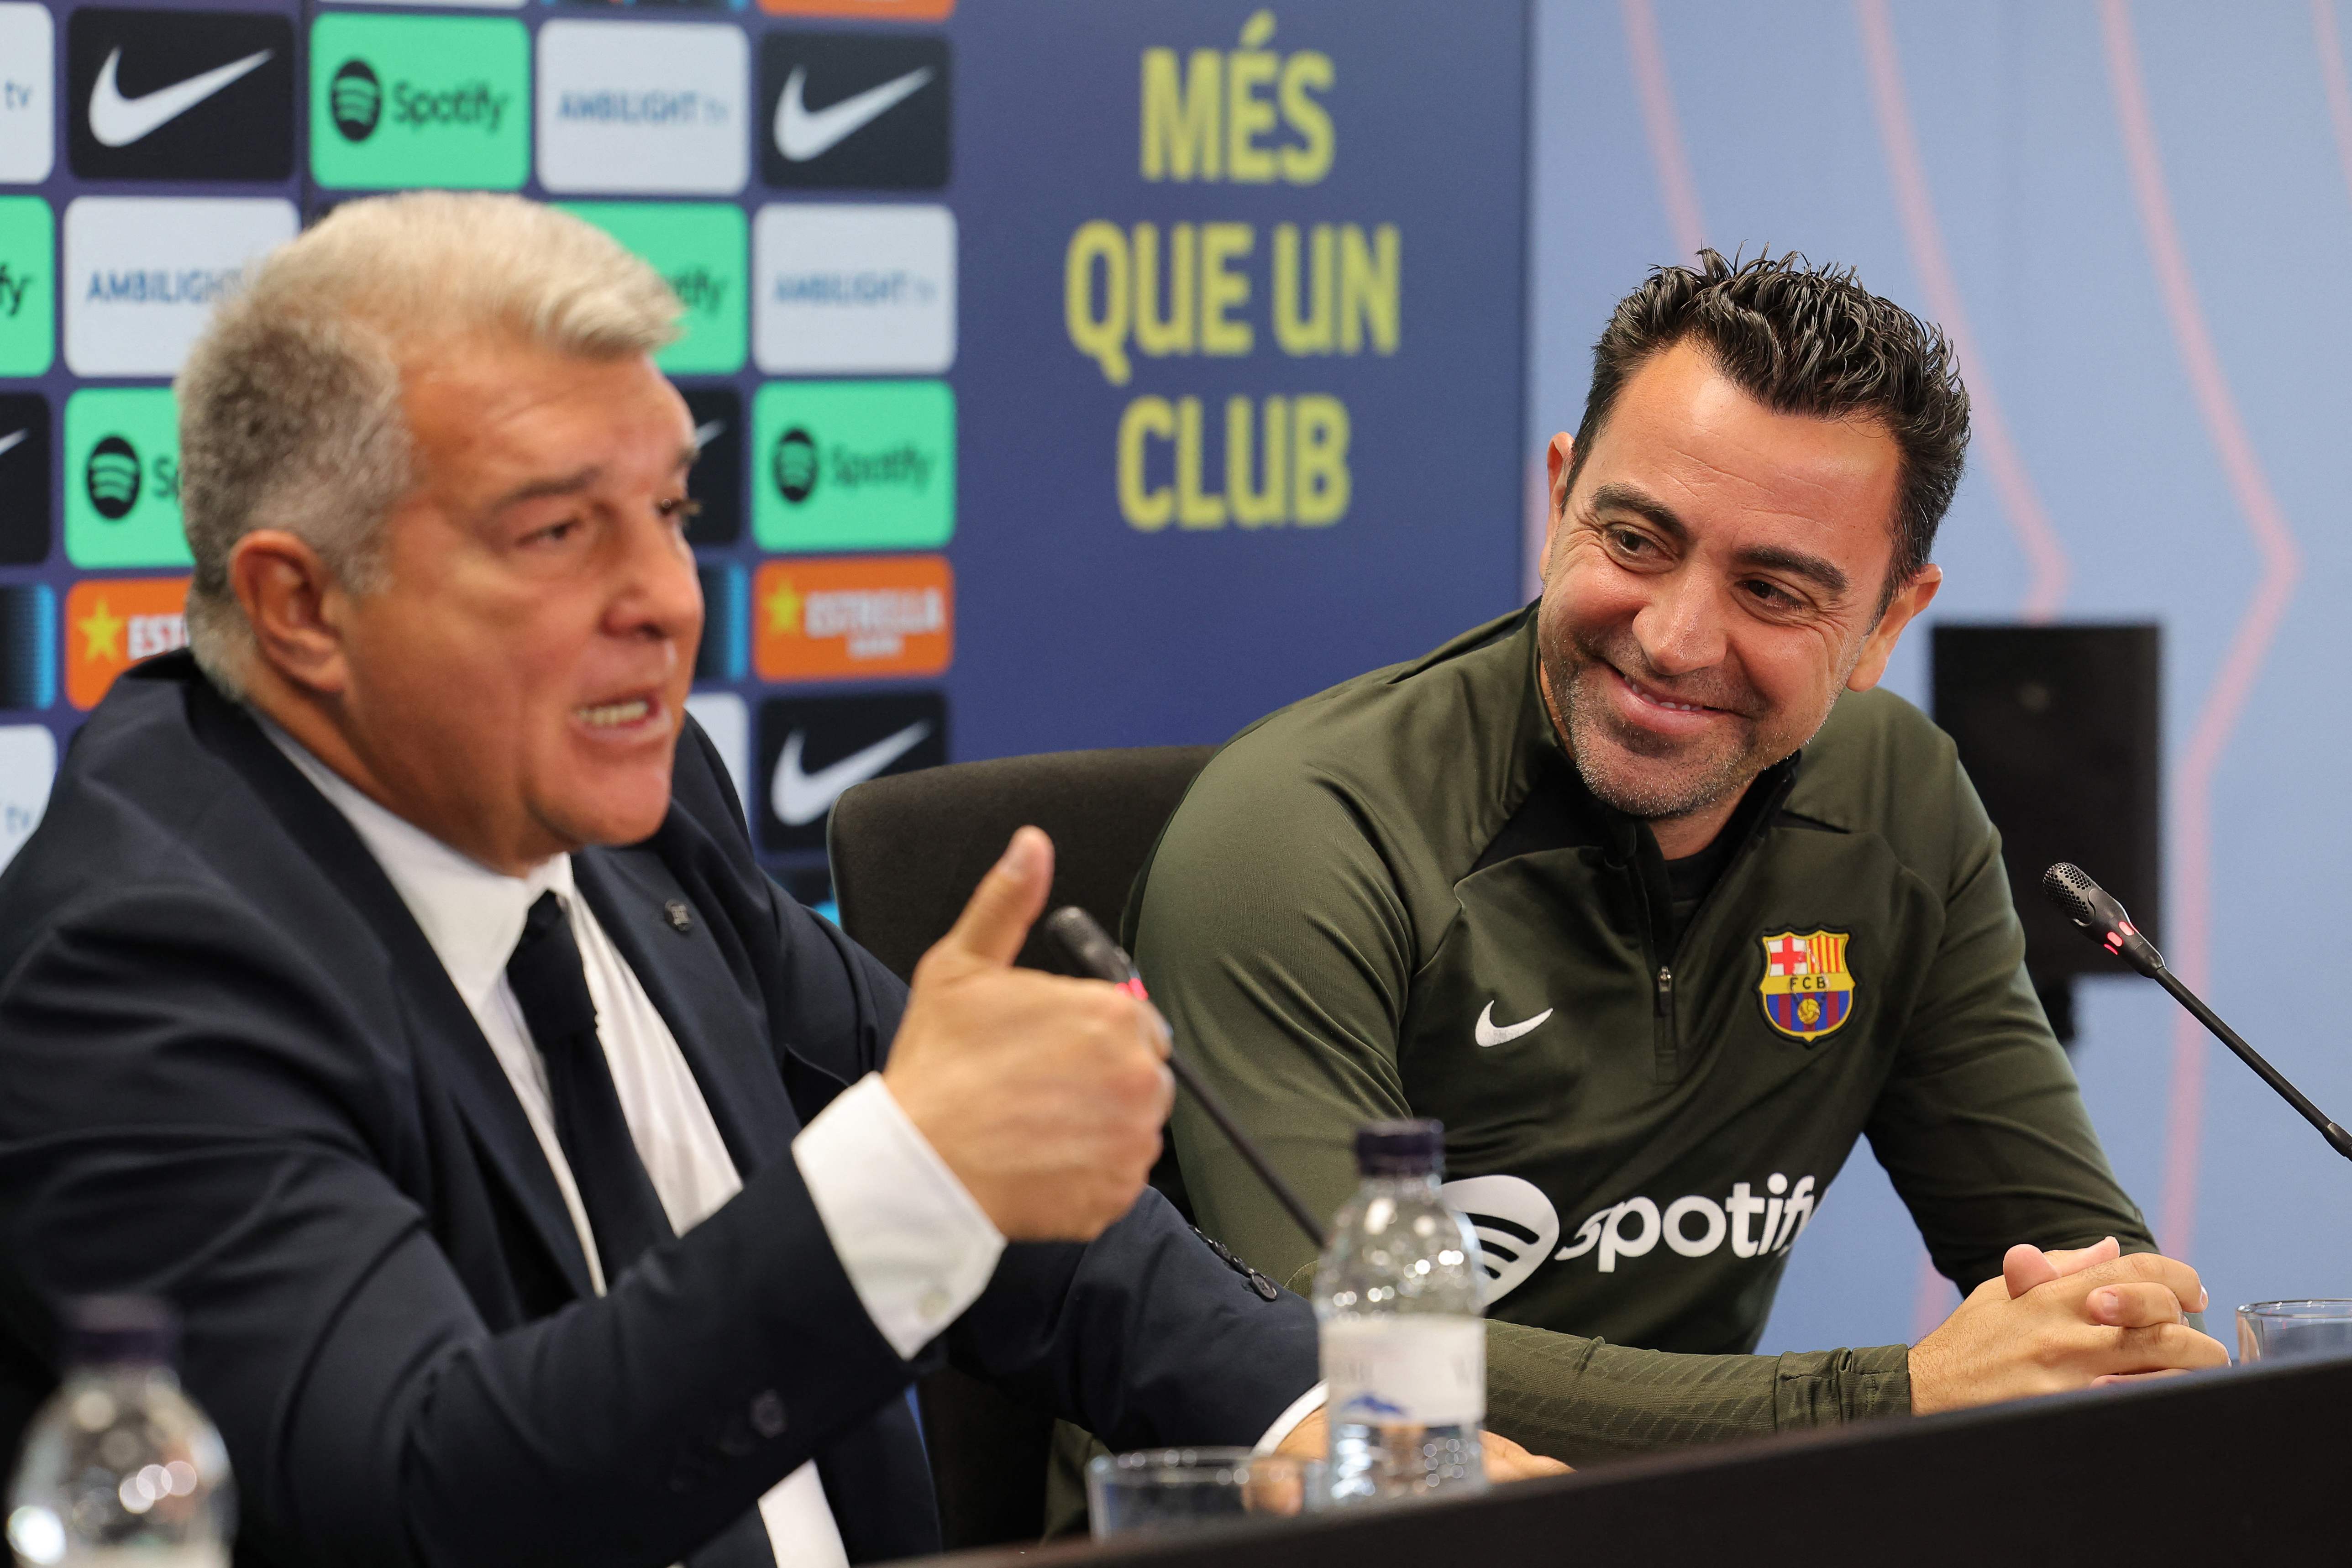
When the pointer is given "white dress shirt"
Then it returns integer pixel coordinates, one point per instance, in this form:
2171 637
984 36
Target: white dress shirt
916 1246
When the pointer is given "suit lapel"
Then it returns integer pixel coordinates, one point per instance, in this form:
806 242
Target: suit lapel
444 1026
724 1039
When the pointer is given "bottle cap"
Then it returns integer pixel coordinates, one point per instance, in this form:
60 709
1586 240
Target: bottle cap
1401 1148
103 1331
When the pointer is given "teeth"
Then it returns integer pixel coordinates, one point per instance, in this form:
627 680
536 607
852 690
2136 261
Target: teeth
1656 701
607 714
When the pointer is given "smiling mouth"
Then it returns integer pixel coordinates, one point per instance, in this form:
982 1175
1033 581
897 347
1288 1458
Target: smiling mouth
1654 700
613 716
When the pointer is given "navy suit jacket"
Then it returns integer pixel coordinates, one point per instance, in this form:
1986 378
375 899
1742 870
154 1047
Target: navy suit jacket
234 1075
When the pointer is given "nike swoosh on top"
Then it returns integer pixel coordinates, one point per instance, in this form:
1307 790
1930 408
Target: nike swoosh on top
801 798
14 438
801 135
1488 1034
117 121
704 434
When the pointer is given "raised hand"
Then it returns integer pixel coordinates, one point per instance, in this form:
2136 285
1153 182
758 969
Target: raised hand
1045 1095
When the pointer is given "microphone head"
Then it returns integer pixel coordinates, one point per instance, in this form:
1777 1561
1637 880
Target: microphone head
2072 892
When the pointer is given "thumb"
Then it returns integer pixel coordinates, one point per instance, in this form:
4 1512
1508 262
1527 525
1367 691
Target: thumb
2024 1266
1006 903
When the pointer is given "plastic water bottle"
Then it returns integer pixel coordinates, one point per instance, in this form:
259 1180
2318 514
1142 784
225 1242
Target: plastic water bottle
1401 1295
120 1469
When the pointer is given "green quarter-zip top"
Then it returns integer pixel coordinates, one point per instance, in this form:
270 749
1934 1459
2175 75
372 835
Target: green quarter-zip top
1398 898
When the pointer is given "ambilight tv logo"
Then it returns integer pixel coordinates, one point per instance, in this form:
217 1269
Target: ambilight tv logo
419 101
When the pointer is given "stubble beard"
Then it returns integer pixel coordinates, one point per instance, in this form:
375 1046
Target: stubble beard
1697 775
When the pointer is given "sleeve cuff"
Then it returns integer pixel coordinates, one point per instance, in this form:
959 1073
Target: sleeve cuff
916 1246
1303 1406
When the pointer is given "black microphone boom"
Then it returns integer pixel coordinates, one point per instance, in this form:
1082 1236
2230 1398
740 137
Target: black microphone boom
2105 922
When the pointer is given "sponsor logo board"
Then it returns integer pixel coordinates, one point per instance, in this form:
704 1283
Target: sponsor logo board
180 95
29 293
860 111
644 106
812 748
847 619
726 718
715 484
142 272
725 607
29 765
114 622
28 645
122 478
24 488
419 101
700 249
854 466
860 289
28 135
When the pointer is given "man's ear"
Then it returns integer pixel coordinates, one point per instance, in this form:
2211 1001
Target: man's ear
1558 458
1909 601
294 605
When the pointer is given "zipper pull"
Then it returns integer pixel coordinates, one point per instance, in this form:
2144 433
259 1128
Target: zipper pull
1666 991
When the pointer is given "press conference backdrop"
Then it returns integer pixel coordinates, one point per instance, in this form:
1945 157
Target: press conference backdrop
1067 374
2135 216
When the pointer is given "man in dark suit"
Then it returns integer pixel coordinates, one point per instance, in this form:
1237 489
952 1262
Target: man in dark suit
391 988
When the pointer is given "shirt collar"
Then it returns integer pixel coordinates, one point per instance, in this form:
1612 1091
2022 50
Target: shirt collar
472 916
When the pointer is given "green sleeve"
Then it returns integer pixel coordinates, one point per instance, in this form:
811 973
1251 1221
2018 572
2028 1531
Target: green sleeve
1981 1126
1272 935
1584 1400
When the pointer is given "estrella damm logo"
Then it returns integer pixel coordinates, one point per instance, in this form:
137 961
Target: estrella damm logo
112 623
1808 991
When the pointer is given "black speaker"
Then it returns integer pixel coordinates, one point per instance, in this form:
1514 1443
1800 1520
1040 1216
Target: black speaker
2060 728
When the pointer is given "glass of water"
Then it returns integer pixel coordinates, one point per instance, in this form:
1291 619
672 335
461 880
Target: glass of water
2276 1331
1165 1490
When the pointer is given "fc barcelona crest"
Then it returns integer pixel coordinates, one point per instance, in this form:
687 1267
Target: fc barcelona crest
1808 991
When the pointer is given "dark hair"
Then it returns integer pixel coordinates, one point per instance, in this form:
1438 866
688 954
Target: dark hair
1807 341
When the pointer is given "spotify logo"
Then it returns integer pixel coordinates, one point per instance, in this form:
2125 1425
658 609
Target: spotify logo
795 464
355 100
111 477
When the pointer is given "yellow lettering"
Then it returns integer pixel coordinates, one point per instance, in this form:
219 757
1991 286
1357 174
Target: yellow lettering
1371 287
1193 509
1144 508
1320 482
1312 333
1247 115
1180 136
1254 506
1103 337
1157 334
1307 72
1224 288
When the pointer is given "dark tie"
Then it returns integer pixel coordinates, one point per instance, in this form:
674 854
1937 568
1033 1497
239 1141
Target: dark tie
624 1213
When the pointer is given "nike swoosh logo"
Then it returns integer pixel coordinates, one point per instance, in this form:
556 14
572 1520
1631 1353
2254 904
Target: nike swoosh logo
1488 1034
117 121
801 798
800 135
704 434
10 441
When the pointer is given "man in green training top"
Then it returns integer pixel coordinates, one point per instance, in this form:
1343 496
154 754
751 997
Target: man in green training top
1652 898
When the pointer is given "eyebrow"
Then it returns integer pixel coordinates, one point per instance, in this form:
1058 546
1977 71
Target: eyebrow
575 483
1620 497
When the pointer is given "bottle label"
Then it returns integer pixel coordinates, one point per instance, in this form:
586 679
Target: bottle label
1405 1369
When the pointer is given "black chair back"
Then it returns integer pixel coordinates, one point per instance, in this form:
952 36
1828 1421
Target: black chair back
908 850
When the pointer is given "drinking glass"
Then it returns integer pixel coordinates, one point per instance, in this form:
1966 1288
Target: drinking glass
1162 1491
2276 1331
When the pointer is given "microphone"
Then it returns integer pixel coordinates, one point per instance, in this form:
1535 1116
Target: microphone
1091 948
2108 924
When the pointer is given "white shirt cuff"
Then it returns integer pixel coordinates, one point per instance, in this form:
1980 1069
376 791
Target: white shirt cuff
918 1248
1303 1406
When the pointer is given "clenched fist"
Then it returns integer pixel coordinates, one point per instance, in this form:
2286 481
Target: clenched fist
1045 1095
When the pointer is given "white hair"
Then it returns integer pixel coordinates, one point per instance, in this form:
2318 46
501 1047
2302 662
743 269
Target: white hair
289 402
